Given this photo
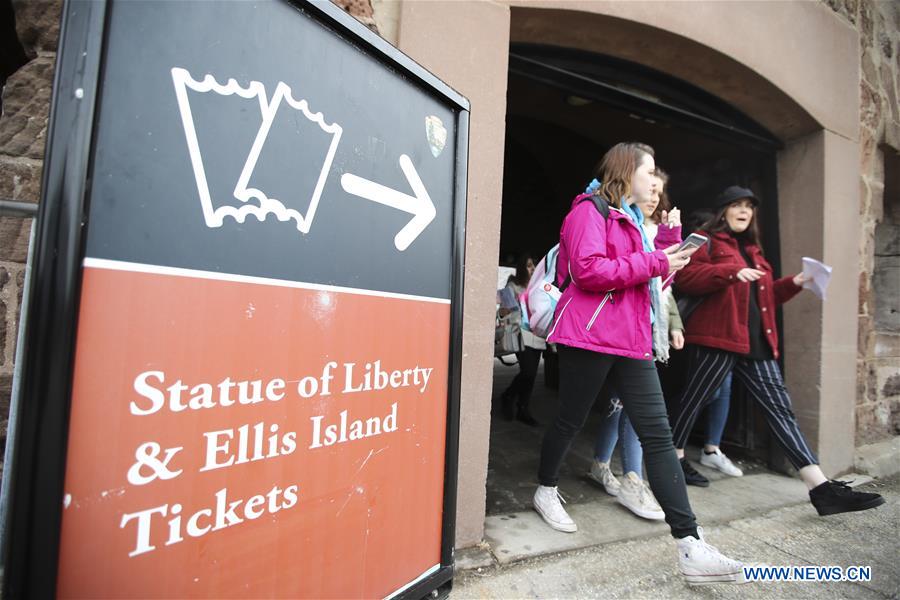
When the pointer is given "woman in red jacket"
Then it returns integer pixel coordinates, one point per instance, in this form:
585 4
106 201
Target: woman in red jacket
733 330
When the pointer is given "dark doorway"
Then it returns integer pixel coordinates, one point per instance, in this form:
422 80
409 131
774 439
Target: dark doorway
565 108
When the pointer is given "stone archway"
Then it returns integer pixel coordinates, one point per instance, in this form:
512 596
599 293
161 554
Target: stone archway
770 65
806 167
665 51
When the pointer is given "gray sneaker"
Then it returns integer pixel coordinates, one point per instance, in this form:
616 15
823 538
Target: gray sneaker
602 474
637 497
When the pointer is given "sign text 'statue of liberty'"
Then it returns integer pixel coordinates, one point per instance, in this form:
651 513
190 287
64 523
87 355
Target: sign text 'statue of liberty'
157 392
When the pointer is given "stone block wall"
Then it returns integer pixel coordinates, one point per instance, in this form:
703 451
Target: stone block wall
23 132
878 360
361 10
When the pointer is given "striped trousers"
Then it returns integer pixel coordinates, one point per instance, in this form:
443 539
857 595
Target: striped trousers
707 368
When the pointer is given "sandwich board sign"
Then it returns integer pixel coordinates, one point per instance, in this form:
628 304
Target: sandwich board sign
256 213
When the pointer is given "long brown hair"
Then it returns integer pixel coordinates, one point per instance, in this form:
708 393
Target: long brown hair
664 204
749 235
616 168
521 277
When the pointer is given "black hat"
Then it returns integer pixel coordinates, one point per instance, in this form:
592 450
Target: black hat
733 194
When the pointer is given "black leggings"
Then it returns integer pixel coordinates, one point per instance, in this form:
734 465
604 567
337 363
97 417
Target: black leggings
581 376
523 384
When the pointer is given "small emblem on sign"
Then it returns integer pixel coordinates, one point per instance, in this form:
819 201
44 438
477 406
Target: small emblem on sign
436 134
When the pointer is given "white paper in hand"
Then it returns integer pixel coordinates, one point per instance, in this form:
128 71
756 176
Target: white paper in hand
817 274
503 275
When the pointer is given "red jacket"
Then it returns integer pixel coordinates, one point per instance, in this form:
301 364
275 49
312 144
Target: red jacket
720 321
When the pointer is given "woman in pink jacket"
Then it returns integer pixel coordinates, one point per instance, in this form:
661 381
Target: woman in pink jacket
603 328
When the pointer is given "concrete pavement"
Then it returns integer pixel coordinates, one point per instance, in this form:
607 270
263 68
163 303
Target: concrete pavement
646 567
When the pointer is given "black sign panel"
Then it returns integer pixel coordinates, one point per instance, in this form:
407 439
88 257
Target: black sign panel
243 110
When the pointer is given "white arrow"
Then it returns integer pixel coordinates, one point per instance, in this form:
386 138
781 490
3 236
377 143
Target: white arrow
420 205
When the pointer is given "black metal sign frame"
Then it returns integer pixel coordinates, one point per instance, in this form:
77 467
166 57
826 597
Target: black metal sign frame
36 468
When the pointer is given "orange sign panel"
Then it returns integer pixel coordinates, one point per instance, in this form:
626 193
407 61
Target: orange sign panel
231 438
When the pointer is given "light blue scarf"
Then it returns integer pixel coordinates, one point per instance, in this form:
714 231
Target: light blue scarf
638 217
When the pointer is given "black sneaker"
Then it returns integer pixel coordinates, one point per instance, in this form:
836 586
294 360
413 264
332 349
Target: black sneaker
833 497
691 476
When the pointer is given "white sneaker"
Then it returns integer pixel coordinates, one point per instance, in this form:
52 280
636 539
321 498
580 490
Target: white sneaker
637 497
601 473
547 504
702 564
719 461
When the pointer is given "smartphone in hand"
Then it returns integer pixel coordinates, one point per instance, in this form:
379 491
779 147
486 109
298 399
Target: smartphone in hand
695 240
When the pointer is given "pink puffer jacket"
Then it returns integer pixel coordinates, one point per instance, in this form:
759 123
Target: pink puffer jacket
606 306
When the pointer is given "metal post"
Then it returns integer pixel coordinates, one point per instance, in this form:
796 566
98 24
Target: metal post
10 208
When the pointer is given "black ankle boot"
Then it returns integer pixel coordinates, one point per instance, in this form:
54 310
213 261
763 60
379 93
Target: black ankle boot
833 497
691 476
